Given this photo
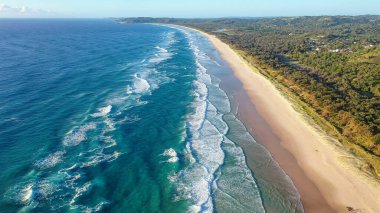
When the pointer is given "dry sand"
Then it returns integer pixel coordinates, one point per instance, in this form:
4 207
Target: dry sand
313 163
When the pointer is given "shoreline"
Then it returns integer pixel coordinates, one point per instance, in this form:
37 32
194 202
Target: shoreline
324 184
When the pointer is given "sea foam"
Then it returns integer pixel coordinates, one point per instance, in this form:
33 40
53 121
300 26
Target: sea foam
163 54
75 136
79 192
99 158
163 50
140 85
26 193
172 154
50 161
204 137
206 147
102 111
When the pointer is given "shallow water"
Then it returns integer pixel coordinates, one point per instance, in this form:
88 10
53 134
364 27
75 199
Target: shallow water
101 116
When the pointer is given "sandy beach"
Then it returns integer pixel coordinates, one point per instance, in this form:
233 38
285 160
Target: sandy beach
311 161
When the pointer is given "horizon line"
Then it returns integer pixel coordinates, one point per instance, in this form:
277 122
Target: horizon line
163 17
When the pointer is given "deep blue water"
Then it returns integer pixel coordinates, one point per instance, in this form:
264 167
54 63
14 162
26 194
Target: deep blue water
101 116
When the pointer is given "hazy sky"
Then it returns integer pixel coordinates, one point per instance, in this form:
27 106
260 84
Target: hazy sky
185 8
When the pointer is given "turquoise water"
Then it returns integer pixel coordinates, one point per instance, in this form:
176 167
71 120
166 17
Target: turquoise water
98 116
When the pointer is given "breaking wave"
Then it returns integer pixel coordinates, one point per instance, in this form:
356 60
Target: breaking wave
207 147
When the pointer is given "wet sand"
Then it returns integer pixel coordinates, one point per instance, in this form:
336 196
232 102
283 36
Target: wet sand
263 133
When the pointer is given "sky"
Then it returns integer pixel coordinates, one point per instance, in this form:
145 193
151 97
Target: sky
183 8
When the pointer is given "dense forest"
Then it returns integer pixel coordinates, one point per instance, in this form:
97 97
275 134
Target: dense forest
332 64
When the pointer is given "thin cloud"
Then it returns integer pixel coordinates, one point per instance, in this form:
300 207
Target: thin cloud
24 11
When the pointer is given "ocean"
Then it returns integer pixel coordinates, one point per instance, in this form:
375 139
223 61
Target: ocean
99 116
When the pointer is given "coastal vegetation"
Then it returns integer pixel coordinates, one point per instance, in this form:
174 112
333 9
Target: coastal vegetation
329 65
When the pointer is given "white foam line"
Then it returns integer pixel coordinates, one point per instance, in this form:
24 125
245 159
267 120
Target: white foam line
205 144
162 49
208 131
79 192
